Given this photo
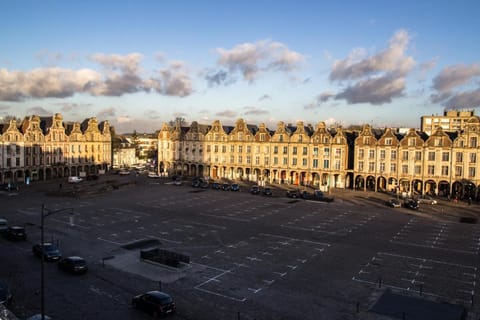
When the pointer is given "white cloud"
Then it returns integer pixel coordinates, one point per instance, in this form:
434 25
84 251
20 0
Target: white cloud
375 79
457 86
252 59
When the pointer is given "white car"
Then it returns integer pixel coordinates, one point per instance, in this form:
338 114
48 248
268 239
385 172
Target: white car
153 175
124 173
74 179
427 200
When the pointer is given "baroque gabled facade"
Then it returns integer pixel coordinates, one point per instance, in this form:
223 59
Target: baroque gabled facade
41 148
443 163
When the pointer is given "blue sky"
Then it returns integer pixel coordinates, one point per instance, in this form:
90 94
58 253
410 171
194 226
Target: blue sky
141 63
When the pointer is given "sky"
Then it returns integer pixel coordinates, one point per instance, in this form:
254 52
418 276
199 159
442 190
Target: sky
139 64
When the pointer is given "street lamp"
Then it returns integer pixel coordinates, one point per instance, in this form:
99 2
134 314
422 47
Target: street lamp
45 213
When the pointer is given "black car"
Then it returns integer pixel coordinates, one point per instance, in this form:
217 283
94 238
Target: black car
267 192
293 194
15 233
255 190
216 186
156 303
411 204
50 251
235 187
225 187
74 264
5 294
196 183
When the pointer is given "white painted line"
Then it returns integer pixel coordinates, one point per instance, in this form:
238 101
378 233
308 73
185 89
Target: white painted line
255 290
224 217
172 241
433 247
421 259
114 242
281 274
269 282
306 241
201 224
221 295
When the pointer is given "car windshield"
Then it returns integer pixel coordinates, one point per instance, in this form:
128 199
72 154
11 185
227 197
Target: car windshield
166 300
50 247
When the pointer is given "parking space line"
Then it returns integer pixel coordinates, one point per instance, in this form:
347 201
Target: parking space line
109 241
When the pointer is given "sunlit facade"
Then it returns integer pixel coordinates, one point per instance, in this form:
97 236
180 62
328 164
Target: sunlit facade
42 148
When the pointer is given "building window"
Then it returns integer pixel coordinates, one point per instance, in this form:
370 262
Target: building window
360 153
249 160
393 155
418 155
240 149
445 156
275 160
393 168
280 138
285 161
371 166
458 171
315 152
412 142
285 150
294 161
473 142
315 163
371 154
382 154
337 165
232 148
471 172
382 167
431 156
388 141
17 162
360 165
215 149
459 156
300 138
444 170
405 155
431 170
249 149
262 137
438 142
294 150
275 150
239 159
326 164
257 160
338 153
266 161
304 162
418 170
326 152
473 158
305 151
405 169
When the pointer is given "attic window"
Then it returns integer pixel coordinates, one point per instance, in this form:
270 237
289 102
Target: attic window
300 138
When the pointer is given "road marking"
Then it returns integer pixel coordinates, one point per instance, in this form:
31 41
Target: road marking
109 241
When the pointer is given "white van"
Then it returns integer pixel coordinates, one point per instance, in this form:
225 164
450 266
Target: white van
74 179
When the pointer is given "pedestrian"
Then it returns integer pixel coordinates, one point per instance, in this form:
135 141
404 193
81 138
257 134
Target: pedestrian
469 201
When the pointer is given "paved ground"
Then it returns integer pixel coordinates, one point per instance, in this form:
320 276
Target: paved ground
252 257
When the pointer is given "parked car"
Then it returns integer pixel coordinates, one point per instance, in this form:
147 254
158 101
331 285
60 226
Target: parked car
234 187
3 225
73 264
427 200
293 194
178 182
267 192
74 179
124 172
5 294
254 190
153 175
216 186
225 187
411 204
50 251
15 233
196 183
393 203
156 303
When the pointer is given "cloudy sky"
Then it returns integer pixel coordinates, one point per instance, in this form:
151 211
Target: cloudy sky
141 63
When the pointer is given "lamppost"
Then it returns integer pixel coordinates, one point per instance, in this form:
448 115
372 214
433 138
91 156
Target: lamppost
45 213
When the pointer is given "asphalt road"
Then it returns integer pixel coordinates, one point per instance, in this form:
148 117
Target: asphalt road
251 257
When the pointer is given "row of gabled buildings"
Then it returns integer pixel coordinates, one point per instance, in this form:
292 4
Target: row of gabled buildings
443 163
42 148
